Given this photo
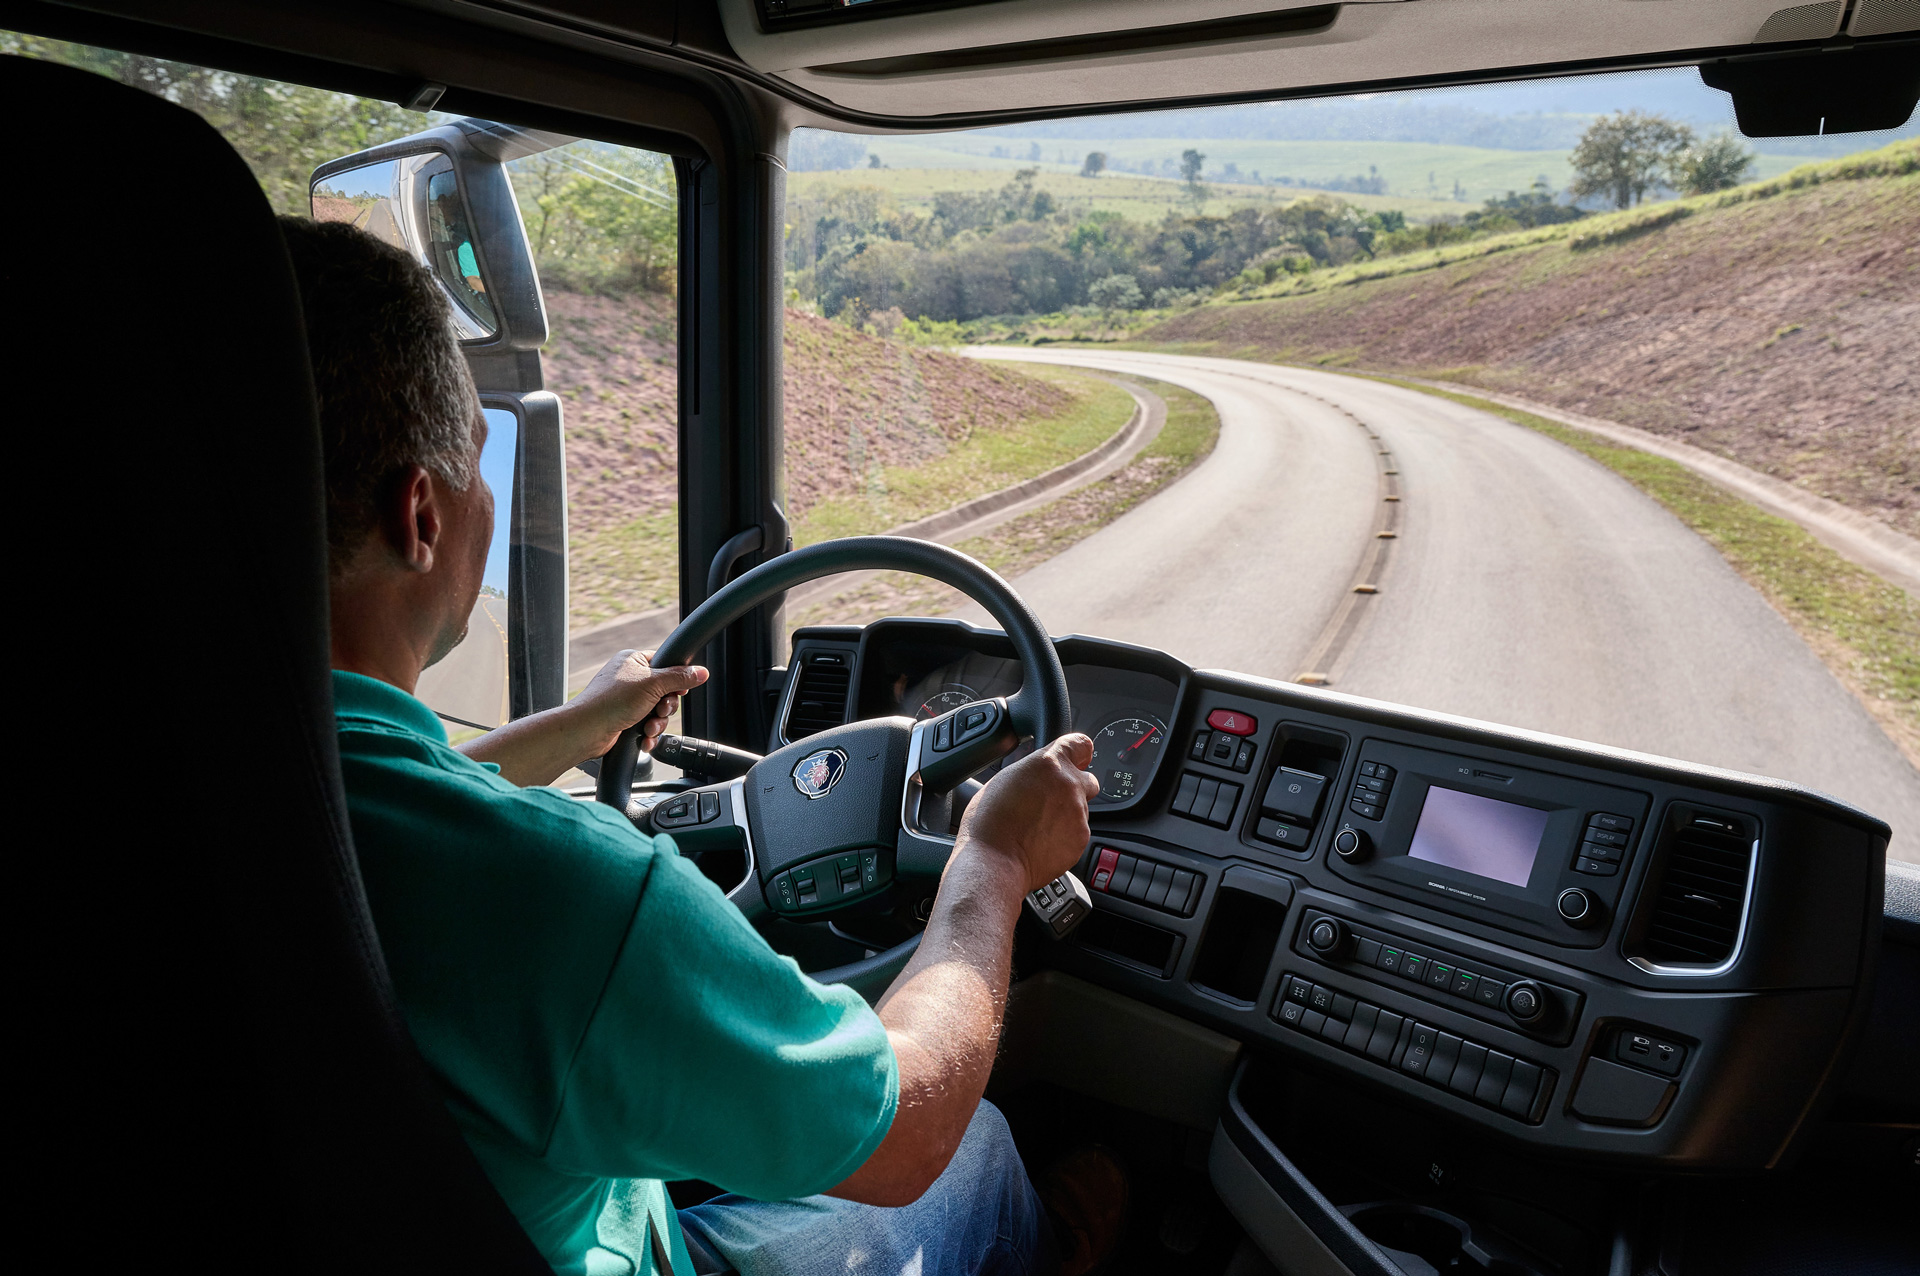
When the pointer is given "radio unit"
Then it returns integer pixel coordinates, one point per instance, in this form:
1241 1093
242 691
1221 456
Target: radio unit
1540 854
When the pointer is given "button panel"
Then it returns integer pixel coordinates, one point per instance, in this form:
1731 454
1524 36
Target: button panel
1463 983
1370 790
1145 881
832 880
684 810
1206 799
1604 844
1222 749
1489 1077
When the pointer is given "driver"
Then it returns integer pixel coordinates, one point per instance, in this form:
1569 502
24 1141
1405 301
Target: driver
599 1018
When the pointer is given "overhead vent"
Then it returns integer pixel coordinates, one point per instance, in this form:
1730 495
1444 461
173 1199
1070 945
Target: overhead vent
1698 894
820 693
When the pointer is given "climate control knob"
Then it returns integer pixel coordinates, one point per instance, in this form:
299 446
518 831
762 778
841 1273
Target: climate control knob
1526 1001
1327 937
1352 845
1578 908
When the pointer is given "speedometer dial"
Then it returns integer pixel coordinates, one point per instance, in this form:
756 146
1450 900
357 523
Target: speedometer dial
1124 751
950 696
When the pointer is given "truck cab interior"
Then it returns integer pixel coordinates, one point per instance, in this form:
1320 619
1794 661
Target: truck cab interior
1359 988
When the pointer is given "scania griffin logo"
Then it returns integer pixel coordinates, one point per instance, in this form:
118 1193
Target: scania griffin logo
817 773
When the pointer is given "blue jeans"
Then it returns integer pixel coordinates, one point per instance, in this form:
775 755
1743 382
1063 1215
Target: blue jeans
980 1216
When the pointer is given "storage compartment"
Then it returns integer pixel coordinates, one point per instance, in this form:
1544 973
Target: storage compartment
1368 1179
1242 933
1134 943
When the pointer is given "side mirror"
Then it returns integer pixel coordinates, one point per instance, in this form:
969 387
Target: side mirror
444 197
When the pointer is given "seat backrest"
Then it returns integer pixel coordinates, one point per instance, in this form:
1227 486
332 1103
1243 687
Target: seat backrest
219 1006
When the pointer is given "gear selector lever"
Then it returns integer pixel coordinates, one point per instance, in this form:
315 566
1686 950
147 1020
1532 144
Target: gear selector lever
1061 904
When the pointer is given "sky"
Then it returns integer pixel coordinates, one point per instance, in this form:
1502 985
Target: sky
496 467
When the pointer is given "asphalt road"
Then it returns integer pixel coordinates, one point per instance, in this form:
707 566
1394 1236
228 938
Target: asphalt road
1527 585
471 683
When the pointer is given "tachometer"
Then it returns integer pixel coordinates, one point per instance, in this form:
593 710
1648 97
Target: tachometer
950 696
1124 751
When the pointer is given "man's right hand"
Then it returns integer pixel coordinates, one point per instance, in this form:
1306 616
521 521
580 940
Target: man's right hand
1035 811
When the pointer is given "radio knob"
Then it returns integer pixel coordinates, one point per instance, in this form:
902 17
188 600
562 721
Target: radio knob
1526 1002
1577 908
1327 937
1352 845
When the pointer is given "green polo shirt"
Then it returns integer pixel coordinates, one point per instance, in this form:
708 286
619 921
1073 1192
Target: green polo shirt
599 1017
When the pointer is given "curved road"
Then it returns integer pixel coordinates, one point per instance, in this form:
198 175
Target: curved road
1527 585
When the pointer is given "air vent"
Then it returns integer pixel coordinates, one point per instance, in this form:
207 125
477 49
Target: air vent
820 695
1699 895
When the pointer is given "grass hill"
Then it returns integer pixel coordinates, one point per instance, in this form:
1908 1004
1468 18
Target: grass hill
1417 173
869 423
1777 323
1143 199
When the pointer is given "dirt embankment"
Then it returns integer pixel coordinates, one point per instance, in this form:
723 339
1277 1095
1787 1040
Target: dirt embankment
1783 333
855 403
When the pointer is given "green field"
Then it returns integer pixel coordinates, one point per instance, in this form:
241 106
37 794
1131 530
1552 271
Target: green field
1138 198
1416 172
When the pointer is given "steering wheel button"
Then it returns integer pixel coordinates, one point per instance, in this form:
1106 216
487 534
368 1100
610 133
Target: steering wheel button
943 735
709 807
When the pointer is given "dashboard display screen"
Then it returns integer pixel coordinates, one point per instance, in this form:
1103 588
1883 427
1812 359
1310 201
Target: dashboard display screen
1478 835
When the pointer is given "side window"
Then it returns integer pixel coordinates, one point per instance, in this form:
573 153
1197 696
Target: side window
592 486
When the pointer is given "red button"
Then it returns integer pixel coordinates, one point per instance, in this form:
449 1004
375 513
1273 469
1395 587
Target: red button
1232 723
1103 868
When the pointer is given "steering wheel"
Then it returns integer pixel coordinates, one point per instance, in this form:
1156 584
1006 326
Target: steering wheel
831 824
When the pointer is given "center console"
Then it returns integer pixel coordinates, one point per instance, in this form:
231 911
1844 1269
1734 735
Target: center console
1581 952
1593 953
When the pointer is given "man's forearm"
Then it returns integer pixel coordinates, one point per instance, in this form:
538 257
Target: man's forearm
536 749
942 1017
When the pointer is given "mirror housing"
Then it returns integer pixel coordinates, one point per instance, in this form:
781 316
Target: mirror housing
444 197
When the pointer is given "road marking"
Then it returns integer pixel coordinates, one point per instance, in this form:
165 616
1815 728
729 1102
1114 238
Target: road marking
506 661
1326 658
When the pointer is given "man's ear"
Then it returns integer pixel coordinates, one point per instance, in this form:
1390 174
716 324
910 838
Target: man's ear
416 520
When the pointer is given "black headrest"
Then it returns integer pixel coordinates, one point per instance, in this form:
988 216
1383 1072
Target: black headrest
218 990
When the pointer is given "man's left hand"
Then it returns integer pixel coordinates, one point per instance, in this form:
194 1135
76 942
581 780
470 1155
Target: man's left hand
540 747
629 690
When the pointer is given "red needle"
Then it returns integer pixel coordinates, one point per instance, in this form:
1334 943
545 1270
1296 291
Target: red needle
1142 740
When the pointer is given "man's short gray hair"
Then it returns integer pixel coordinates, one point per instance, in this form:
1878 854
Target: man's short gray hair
392 386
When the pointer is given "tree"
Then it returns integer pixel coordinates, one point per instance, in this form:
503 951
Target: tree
1713 165
873 161
1115 292
1191 165
1624 155
1095 163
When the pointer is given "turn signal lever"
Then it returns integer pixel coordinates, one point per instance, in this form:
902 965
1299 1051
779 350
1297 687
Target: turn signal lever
703 757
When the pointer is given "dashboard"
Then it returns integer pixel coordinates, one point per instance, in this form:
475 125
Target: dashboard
1599 953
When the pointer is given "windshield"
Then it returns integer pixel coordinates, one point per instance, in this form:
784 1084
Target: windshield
1557 404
